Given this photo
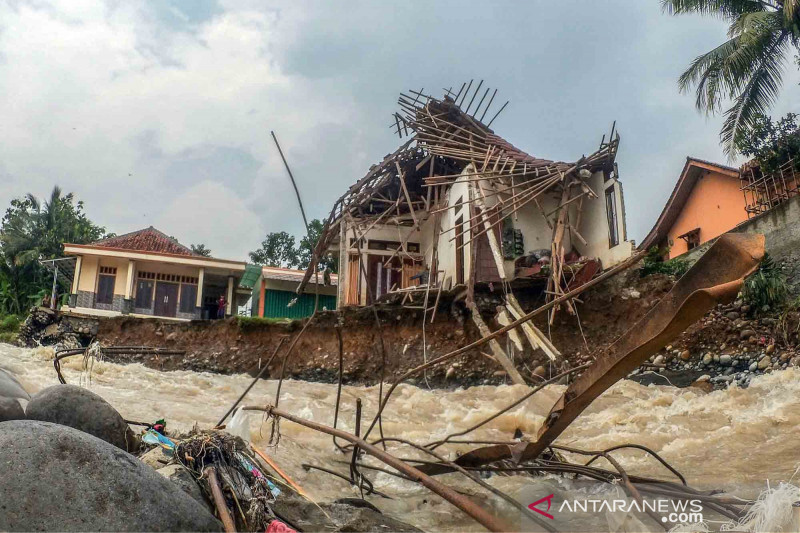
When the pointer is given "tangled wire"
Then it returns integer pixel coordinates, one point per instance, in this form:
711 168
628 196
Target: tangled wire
248 492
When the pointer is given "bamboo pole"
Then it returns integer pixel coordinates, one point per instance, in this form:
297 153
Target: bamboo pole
478 513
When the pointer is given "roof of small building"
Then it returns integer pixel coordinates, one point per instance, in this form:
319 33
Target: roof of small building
290 274
146 240
692 170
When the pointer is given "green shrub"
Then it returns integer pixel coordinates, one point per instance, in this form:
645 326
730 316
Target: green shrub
654 263
10 324
766 286
8 337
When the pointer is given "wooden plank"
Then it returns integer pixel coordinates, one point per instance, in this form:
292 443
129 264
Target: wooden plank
530 330
495 247
497 350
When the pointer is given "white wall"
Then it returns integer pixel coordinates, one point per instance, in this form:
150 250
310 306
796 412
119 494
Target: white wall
529 219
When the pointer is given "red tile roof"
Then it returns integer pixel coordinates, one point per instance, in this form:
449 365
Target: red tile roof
146 240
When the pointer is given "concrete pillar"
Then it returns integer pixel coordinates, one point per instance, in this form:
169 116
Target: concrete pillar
229 305
129 281
200 277
261 297
76 279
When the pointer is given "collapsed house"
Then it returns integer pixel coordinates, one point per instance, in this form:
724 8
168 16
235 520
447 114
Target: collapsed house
457 207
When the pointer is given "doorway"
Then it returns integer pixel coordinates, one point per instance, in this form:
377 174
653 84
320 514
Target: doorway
166 303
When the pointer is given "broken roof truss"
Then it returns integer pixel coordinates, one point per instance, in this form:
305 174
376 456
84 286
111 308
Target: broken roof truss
445 143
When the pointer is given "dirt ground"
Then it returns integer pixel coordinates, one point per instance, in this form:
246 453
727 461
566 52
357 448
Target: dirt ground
242 346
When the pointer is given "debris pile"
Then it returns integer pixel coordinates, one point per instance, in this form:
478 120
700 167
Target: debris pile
46 327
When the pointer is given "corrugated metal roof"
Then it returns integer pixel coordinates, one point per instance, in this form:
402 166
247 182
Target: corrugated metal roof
250 276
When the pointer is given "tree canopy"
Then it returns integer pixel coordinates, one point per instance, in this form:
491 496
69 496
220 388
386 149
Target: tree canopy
32 230
280 249
748 68
200 249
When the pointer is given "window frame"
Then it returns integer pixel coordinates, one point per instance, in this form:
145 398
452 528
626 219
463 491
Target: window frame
611 216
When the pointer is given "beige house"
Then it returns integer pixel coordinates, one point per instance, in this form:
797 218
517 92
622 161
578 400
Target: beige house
147 273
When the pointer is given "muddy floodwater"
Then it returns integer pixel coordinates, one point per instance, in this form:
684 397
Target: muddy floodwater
737 439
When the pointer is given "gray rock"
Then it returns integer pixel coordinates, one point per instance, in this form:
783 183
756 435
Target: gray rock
746 334
708 359
659 360
186 482
10 387
725 359
732 315
753 366
67 480
10 409
155 458
73 406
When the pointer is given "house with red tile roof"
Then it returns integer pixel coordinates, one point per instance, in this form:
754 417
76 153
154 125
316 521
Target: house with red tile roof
147 273
706 202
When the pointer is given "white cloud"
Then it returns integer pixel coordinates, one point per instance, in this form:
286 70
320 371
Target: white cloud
211 214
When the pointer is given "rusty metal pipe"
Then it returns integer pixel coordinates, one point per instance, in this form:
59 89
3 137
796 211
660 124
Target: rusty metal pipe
487 520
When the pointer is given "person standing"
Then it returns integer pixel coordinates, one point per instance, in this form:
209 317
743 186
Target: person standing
221 305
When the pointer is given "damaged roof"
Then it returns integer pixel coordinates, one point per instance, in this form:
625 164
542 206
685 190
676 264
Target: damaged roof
146 240
444 138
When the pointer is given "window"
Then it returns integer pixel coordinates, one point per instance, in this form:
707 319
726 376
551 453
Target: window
611 212
692 238
411 247
458 205
188 298
144 293
105 285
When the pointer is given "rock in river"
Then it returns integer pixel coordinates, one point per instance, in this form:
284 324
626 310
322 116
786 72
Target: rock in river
10 409
67 480
73 406
10 387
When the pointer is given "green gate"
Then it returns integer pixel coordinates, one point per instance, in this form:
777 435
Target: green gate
276 302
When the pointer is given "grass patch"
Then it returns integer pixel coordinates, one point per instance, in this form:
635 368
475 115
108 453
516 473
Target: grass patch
249 323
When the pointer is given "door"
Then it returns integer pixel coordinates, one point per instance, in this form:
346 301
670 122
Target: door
166 303
353 296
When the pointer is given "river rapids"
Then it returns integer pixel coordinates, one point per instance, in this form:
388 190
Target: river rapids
737 439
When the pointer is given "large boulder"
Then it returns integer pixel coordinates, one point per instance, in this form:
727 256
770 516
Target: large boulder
10 409
65 480
185 481
76 407
10 387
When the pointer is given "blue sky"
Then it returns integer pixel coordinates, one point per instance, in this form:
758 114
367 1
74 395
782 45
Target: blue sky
160 112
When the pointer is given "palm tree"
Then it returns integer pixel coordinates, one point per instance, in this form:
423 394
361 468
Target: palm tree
747 68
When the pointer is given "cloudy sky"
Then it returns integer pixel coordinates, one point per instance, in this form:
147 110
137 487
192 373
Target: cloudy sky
160 112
